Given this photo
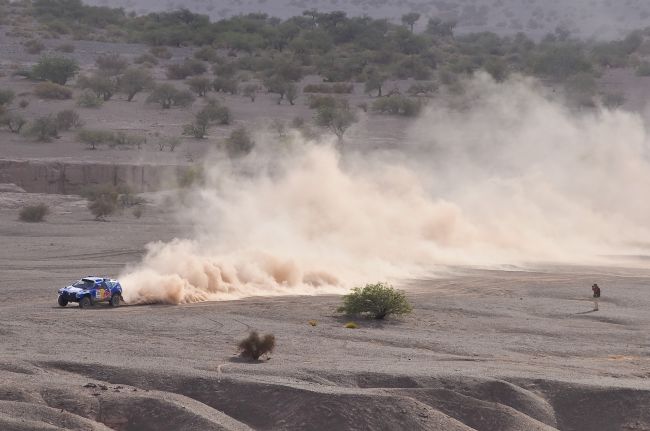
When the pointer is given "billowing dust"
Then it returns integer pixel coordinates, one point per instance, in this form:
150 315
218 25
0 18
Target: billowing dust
504 175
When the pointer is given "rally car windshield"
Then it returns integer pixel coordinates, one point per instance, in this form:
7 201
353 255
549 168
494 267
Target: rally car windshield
84 284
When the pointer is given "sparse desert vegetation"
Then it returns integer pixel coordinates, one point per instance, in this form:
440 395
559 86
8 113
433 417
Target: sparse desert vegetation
209 140
377 301
254 346
34 213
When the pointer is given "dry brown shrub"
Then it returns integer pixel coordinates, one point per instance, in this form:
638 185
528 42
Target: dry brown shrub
254 346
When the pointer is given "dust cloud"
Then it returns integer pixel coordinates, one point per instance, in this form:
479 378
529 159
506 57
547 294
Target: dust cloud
504 174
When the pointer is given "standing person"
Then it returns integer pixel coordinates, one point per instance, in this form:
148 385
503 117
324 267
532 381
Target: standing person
596 291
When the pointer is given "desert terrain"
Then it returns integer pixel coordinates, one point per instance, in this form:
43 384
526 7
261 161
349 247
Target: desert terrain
494 204
508 349
588 18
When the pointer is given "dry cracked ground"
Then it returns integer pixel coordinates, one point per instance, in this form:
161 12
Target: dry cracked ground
508 349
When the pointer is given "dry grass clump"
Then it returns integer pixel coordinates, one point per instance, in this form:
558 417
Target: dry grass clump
34 213
50 90
33 46
254 346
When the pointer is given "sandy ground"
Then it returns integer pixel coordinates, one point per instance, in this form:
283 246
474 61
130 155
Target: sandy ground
484 349
508 349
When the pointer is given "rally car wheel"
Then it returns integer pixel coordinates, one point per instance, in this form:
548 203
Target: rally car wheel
62 301
84 302
115 300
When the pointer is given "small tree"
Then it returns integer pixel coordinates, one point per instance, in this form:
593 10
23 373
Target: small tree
55 69
375 82
410 19
167 96
102 207
200 85
111 64
93 138
276 84
33 213
133 81
172 143
337 119
211 113
44 129
254 346
250 91
377 301
239 143
291 93
206 53
102 200
68 119
88 99
102 85
12 121
225 85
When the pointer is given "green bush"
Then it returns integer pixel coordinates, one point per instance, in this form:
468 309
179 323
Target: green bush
93 138
33 46
397 105
225 85
50 90
111 64
68 119
168 95
133 81
200 85
376 301
337 88
55 69
43 129
214 112
426 89
187 68
206 53
12 121
190 176
250 91
66 47
102 199
337 119
6 97
102 207
88 99
125 140
146 59
643 69
558 62
33 213
239 143
317 102
102 85
160 52
254 346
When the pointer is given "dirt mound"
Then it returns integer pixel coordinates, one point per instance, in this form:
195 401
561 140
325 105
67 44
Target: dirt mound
433 403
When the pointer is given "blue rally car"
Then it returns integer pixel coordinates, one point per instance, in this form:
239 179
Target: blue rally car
91 290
